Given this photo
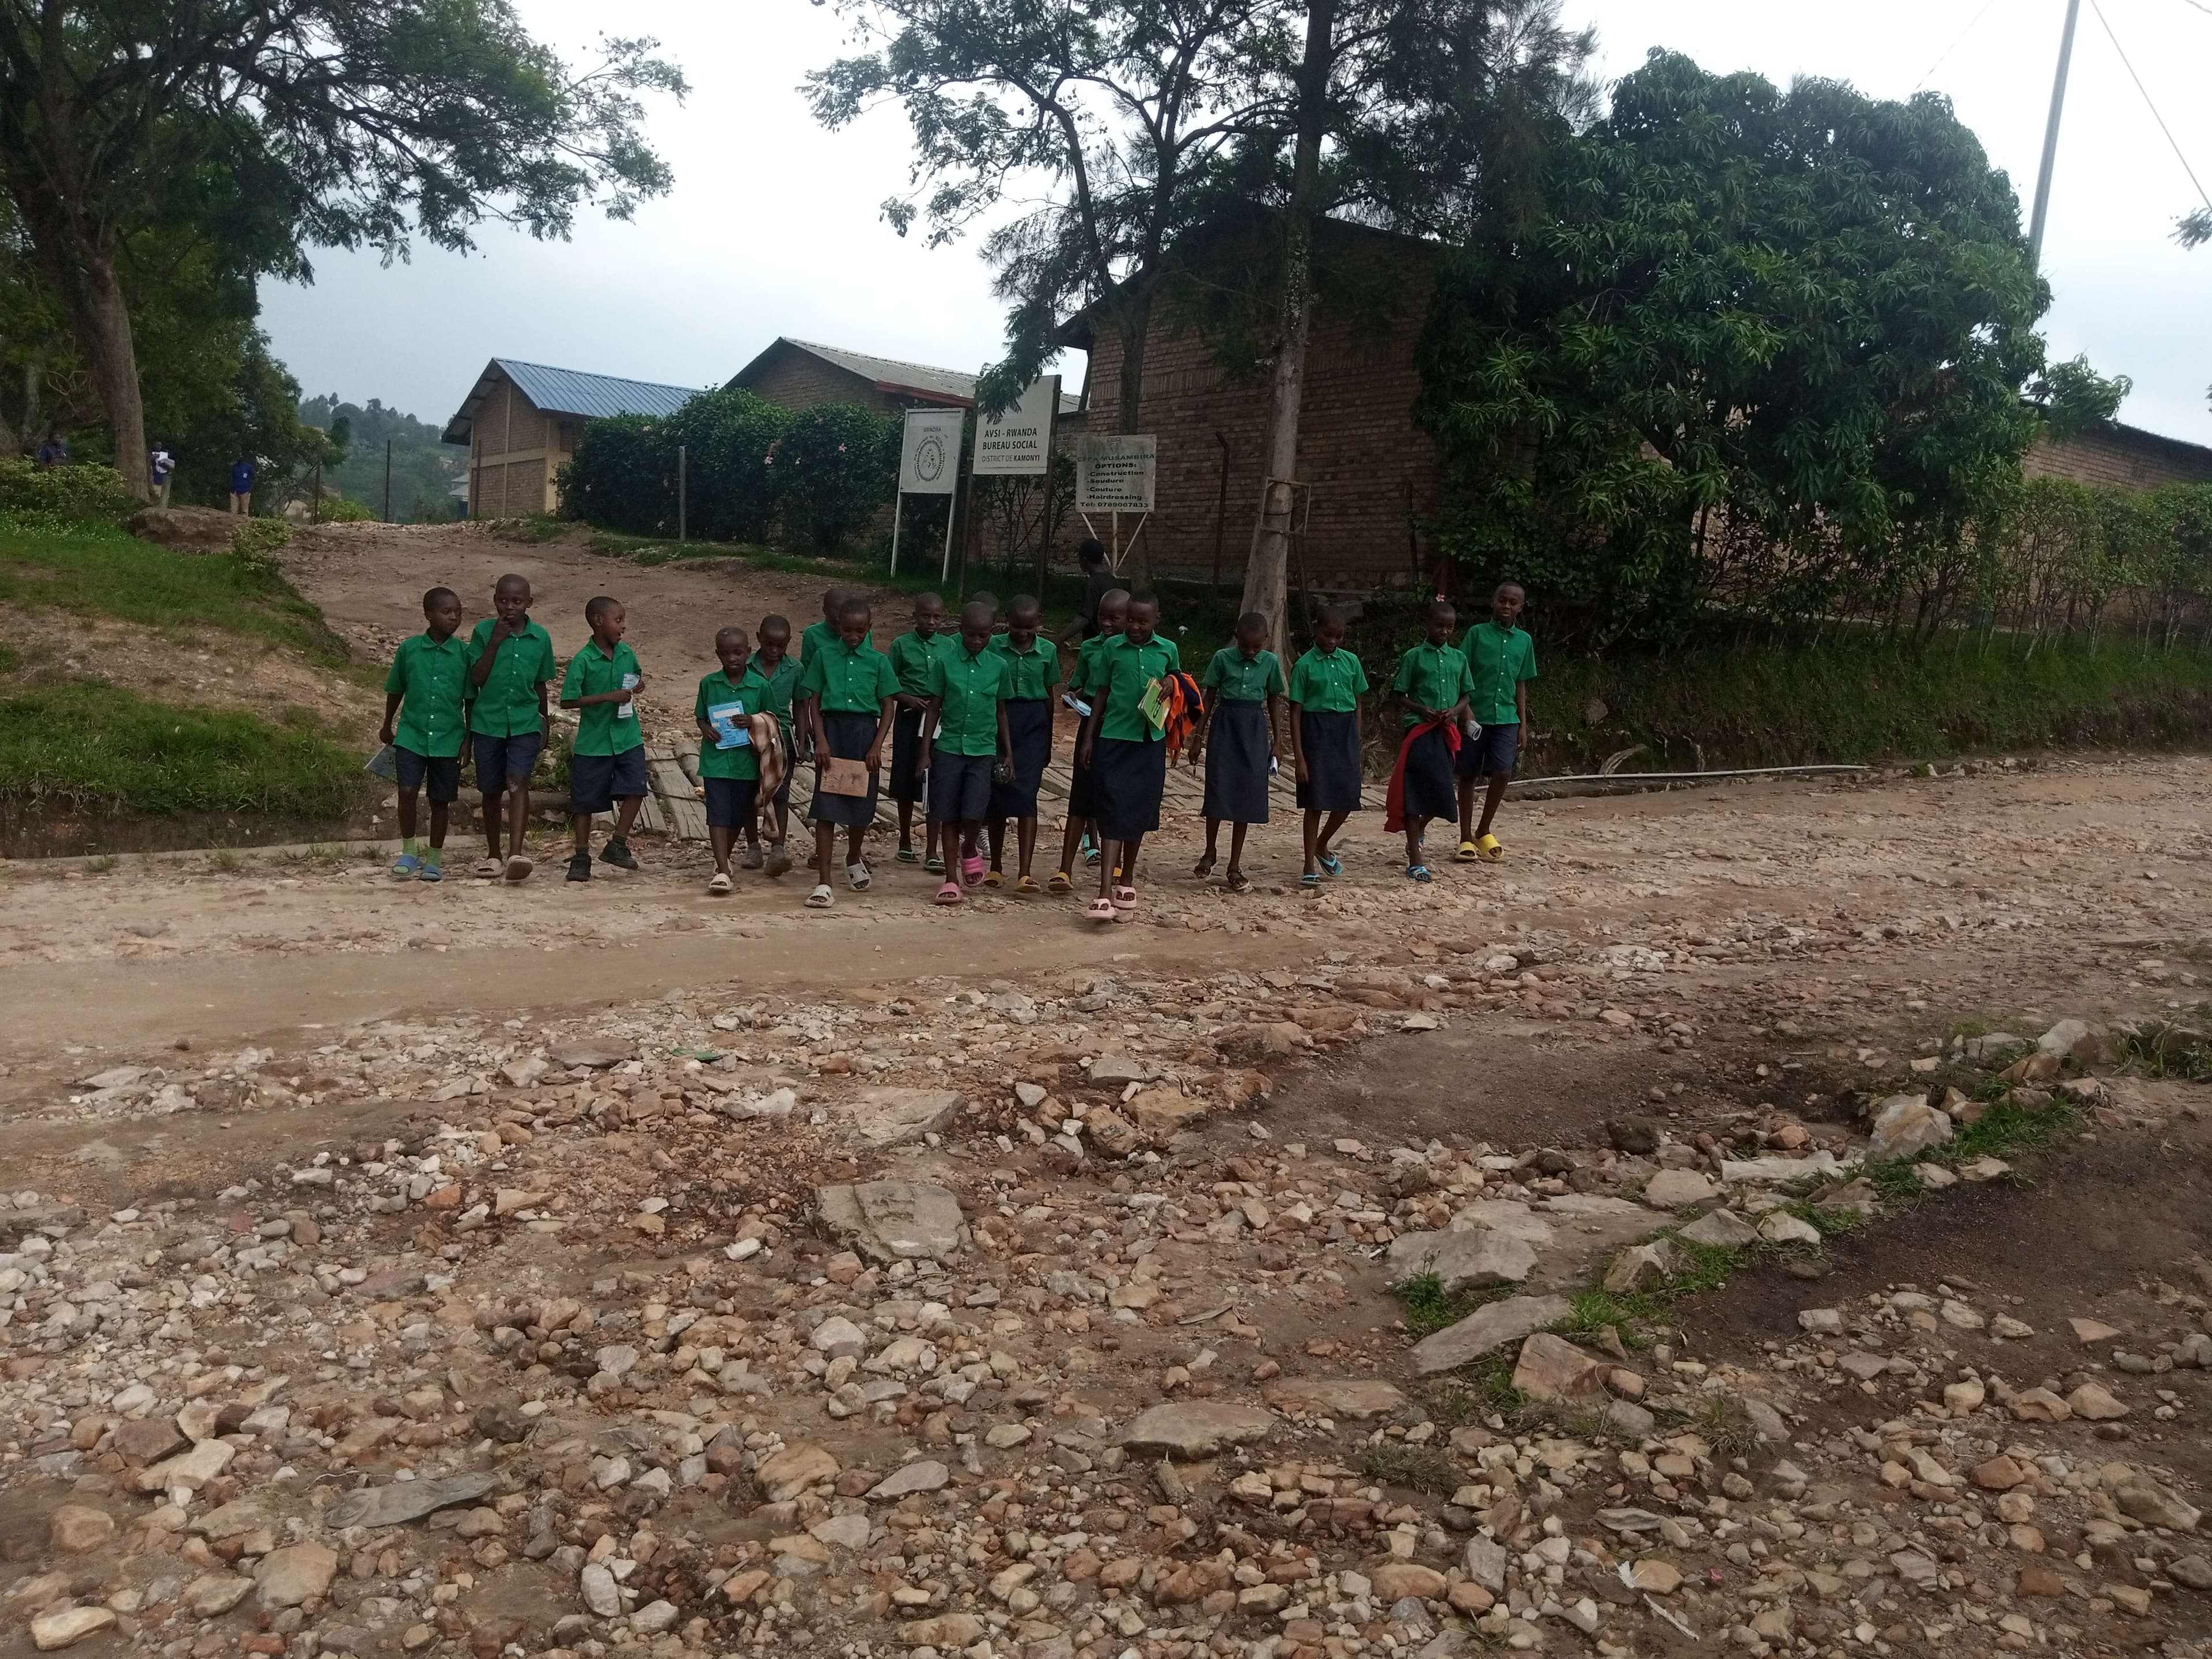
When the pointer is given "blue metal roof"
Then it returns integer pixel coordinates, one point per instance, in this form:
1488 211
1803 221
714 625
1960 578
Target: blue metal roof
568 392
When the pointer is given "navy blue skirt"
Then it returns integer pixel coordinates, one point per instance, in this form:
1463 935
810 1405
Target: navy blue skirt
849 736
1431 792
1331 746
906 780
1029 727
1236 761
1129 776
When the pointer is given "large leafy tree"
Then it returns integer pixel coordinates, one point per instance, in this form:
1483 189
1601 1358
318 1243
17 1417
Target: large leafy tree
344 125
1111 114
1807 316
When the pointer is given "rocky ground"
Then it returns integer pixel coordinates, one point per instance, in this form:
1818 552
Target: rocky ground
1795 1200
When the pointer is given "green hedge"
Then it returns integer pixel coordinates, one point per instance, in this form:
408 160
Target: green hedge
64 492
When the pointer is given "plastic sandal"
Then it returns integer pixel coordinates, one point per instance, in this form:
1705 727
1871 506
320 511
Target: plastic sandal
994 879
950 894
1237 882
1099 910
971 871
778 861
1028 888
1491 851
406 867
1331 864
821 898
1467 852
490 869
933 865
1204 867
519 867
907 855
857 877
1125 898
718 883
1418 872
1310 880
430 872
1059 886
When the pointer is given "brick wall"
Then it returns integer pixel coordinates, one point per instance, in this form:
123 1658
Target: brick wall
508 423
798 380
2121 455
1358 447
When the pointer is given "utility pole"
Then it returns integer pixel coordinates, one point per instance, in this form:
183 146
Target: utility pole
2051 138
682 467
387 481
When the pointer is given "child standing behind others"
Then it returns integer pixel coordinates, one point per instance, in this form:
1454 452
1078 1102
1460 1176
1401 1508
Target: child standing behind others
849 688
1503 660
1243 687
964 733
775 664
1432 685
1325 741
427 690
729 766
911 653
1125 747
606 772
510 664
1082 798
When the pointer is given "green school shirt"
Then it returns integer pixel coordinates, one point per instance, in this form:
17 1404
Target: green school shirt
1327 683
1435 676
1031 674
911 655
848 680
1240 679
505 704
750 693
782 683
1118 678
591 671
1086 663
971 688
814 636
431 678
1500 659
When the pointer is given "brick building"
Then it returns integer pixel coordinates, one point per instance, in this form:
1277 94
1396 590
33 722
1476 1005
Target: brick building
801 375
521 422
1372 470
2125 455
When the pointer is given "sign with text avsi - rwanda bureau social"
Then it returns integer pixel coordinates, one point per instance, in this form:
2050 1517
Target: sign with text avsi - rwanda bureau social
1114 473
929 452
1016 442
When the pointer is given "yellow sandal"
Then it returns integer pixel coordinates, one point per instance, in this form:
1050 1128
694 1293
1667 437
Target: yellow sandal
1491 851
1467 852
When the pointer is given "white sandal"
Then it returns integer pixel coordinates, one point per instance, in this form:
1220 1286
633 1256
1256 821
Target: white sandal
821 898
857 876
718 883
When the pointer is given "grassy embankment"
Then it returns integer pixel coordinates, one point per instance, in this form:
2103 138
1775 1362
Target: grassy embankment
72 742
1846 696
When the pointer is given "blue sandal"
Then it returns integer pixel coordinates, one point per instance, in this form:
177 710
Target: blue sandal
1331 864
1418 872
1308 879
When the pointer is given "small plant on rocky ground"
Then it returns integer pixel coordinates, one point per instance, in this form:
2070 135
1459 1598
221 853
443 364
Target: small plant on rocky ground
1417 1468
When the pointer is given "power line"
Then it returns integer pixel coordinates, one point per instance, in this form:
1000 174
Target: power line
1960 42
2148 102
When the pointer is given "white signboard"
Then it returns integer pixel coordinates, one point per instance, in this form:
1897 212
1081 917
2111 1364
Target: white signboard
1018 441
929 455
1114 474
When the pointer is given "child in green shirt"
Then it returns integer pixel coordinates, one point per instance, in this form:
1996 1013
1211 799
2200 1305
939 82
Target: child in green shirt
1502 658
849 688
729 765
1325 741
606 772
510 660
1032 676
1125 746
1432 686
427 690
1243 689
964 733
1113 613
911 653
781 669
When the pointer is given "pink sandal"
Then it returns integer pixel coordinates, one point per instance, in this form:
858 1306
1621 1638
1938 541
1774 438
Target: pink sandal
1100 909
949 893
972 871
1124 903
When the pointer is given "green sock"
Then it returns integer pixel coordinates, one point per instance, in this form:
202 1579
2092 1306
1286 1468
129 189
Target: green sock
407 845
433 855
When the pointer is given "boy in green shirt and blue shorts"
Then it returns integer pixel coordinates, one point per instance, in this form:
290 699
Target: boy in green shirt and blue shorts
427 690
510 660
607 770
729 765
911 653
1503 660
775 664
964 733
848 688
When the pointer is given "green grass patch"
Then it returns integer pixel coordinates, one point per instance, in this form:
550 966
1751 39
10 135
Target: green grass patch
98 747
1482 1389
2173 1050
1429 1309
1418 1468
95 570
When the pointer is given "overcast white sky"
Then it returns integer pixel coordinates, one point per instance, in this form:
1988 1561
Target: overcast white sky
773 226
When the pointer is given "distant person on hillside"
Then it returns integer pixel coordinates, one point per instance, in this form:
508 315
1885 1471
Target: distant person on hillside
54 453
160 463
243 471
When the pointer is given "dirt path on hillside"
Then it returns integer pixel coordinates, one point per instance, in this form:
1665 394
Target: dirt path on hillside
369 580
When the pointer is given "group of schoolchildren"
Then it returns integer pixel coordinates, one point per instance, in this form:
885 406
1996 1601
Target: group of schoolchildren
967 715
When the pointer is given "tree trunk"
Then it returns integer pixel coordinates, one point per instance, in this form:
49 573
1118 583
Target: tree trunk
1267 574
11 440
103 327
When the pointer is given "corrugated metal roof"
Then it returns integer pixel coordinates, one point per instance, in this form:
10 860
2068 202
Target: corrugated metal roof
568 392
894 374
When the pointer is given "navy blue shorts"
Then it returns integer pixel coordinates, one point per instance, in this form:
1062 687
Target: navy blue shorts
959 786
596 782
1493 749
729 801
503 760
442 772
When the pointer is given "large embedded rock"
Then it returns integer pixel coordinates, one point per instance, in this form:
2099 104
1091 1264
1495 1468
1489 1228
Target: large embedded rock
1905 1124
1196 1428
1478 1259
894 1220
1488 1327
891 1117
794 1469
296 1574
1552 1367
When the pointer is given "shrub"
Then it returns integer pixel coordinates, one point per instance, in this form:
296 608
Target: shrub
622 476
256 542
729 487
835 466
342 509
64 492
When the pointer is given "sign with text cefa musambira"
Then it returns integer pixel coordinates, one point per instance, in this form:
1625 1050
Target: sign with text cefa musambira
1016 442
1114 473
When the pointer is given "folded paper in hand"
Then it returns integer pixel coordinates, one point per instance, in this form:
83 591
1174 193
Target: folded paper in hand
843 777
